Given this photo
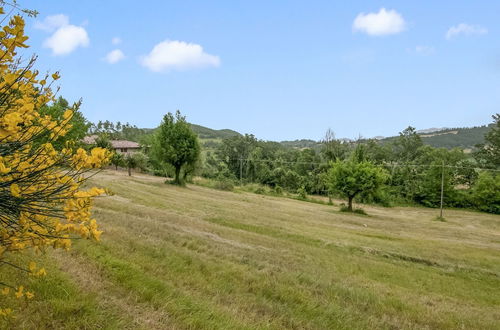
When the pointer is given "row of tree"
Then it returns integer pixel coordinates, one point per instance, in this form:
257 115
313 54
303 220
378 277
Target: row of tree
409 171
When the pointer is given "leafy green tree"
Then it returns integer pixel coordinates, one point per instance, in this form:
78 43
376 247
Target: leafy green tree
428 180
350 178
235 150
118 160
79 125
373 151
102 141
291 180
486 192
190 169
156 162
406 150
407 145
257 169
141 161
333 149
130 163
307 162
488 154
177 144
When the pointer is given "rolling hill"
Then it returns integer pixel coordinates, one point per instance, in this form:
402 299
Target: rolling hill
465 137
198 258
208 133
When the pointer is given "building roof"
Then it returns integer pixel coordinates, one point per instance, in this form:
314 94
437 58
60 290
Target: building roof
116 144
90 139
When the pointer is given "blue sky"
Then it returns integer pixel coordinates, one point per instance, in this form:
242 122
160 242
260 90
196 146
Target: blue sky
278 69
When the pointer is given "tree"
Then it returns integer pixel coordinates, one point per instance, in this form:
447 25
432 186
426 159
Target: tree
371 150
131 163
177 144
234 151
489 153
407 145
486 192
154 153
135 160
41 201
350 178
333 149
117 160
78 126
102 141
141 161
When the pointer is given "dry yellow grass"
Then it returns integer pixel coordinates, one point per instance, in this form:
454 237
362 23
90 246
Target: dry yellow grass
195 257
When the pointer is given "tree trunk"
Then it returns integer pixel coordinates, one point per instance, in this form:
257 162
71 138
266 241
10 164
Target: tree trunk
129 171
116 167
177 179
349 207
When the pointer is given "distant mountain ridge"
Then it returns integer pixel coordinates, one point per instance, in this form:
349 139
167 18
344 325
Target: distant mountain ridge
208 133
464 137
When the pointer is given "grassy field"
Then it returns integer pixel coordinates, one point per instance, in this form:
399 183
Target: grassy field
188 258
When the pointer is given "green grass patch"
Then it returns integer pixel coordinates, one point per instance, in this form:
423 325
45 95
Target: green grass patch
202 258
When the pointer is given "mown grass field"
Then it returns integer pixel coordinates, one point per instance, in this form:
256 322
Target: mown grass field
189 258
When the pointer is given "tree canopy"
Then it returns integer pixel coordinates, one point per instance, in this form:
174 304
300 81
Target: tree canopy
350 178
176 144
489 152
78 126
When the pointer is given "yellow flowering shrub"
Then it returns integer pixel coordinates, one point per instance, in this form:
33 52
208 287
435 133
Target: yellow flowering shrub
42 203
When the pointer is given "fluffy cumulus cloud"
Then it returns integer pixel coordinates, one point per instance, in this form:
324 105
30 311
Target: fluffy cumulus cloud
114 56
384 22
466 30
178 55
65 37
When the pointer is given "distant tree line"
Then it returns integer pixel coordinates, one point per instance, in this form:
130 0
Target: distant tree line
410 172
119 131
403 170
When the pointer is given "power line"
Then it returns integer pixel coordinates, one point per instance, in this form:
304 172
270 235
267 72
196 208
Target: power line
276 161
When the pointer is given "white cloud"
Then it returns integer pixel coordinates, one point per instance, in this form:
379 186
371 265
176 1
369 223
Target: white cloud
424 50
384 22
66 37
466 30
178 55
50 23
114 56
116 41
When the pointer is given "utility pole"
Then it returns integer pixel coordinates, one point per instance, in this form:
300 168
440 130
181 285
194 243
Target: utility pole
241 171
442 190
392 173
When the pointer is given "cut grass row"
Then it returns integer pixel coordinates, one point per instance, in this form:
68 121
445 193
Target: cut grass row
199 258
